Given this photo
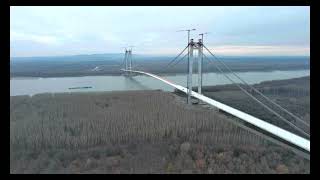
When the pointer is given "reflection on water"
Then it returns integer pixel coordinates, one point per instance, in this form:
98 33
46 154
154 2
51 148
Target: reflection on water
31 86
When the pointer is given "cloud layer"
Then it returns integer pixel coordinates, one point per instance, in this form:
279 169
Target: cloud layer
39 31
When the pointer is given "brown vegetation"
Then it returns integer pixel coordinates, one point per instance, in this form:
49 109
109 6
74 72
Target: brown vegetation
134 132
292 94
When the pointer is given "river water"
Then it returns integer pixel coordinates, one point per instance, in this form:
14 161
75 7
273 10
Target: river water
31 86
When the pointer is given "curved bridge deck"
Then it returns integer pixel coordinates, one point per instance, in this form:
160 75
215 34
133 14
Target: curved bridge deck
279 132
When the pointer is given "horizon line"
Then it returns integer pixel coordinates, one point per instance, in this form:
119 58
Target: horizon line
158 55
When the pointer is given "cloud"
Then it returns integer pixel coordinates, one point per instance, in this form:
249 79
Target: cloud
236 50
161 51
109 37
41 39
261 50
234 30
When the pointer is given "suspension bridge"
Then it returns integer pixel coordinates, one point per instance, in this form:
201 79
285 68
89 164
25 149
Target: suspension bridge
299 144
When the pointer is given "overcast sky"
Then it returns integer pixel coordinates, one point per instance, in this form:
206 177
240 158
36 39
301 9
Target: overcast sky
49 31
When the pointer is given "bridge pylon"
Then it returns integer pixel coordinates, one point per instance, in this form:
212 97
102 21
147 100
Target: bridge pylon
128 61
200 62
199 47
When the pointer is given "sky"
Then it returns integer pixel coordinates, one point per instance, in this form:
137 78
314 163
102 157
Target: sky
233 30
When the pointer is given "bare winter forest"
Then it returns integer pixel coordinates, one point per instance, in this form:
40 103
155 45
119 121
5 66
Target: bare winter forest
135 132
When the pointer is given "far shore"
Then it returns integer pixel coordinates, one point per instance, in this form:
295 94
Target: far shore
161 74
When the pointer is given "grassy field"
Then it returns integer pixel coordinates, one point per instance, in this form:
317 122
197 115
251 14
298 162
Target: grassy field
135 132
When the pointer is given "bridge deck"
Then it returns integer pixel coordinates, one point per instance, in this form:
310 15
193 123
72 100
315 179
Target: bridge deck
279 132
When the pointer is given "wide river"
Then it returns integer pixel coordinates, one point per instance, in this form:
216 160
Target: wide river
31 86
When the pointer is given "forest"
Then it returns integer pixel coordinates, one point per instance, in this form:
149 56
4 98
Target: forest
293 94
137 132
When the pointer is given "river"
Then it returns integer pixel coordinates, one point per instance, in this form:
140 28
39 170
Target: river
31 86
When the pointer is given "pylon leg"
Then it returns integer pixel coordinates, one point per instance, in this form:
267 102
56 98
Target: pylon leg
190 74
199 70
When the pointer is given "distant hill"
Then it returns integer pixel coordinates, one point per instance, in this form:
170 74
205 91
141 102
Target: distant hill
120 57
82 57
90 57
111 63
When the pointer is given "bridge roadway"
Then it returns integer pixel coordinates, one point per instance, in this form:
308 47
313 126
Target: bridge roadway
279 132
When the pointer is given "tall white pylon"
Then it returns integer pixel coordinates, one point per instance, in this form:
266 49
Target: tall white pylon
190 70
200 59
194 46
188 30
128 60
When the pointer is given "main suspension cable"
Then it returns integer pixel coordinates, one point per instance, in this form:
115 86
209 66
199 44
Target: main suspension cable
254 98
257 91
176 57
